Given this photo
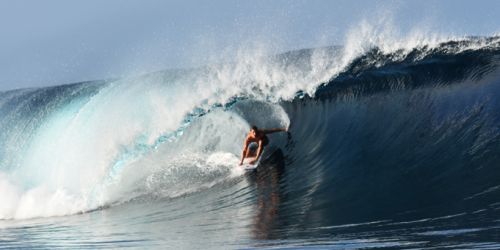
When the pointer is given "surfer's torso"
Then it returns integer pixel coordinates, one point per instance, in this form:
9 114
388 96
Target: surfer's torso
259 136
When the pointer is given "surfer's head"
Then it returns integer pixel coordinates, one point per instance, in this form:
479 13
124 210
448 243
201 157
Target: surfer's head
253 131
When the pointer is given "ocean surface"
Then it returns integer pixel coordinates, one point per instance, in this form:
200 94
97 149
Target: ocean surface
392 145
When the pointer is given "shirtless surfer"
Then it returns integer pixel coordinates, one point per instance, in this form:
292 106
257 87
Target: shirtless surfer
259 137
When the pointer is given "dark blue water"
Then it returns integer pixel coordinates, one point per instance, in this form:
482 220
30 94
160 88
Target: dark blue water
396 150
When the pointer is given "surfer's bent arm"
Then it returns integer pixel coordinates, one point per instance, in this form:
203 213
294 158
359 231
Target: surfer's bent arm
273 130
259 151
245 148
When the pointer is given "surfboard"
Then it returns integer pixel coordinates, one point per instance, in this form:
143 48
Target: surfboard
247 166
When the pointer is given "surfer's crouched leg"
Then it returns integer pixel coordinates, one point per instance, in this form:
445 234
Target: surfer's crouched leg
250 153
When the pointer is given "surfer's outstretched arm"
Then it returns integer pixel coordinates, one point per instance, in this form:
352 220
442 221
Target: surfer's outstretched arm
274 130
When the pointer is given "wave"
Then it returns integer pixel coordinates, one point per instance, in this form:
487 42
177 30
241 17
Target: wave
378 132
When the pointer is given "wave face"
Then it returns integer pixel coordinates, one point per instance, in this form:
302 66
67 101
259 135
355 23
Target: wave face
403 141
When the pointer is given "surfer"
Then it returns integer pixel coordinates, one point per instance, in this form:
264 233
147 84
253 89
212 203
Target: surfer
258 139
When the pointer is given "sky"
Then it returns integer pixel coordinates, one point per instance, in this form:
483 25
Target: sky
53 42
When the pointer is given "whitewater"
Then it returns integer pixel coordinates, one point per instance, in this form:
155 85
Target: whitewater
395 143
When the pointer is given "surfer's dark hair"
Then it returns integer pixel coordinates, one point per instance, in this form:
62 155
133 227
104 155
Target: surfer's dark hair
255 128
